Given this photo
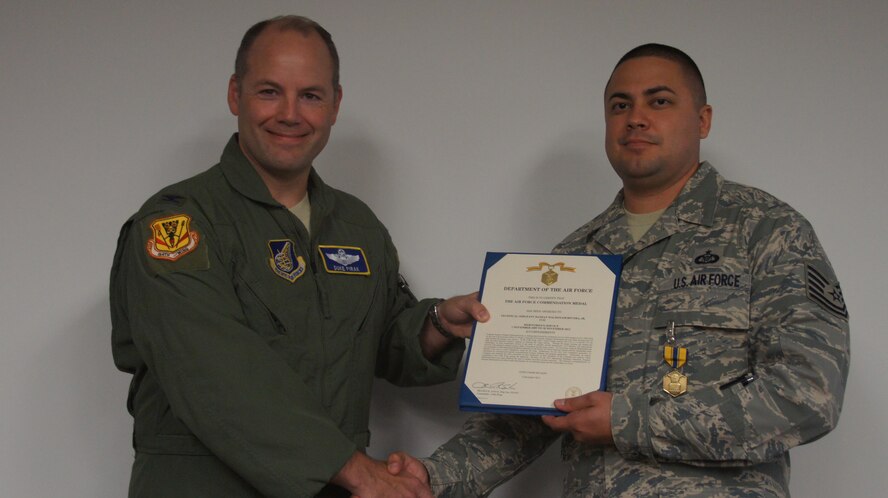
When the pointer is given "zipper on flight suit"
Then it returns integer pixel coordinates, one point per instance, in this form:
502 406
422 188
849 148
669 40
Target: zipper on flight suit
323 295
304 242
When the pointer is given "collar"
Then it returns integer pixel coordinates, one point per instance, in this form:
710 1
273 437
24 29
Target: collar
697 201
695 204
242 176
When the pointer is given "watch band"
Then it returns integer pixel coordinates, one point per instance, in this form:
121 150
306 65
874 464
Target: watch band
436 321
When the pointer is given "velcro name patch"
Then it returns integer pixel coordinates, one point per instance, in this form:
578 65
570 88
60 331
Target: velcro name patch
346 260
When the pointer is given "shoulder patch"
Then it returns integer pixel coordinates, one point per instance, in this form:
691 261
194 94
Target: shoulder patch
825 293
172 238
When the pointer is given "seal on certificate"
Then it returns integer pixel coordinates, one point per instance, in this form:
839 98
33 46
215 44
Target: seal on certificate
572 392
551 276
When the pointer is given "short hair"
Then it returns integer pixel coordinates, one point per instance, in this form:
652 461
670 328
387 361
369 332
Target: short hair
301 24
692 72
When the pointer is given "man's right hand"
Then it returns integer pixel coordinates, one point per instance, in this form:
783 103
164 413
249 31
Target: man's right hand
365 477
402 464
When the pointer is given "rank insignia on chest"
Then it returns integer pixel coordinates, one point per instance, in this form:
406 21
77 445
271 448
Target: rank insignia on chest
284 261
172 238
346 260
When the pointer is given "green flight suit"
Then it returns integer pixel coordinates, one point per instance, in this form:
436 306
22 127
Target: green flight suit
253 351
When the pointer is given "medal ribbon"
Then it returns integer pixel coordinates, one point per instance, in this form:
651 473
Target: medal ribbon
675 356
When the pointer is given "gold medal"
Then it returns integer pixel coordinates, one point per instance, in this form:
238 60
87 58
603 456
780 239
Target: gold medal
675 383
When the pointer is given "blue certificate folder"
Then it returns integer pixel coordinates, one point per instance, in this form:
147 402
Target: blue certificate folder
549 333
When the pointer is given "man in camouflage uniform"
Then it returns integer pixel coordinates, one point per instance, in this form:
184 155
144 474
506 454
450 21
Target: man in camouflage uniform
731 279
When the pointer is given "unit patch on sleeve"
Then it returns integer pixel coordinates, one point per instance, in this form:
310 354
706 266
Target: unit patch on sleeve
284 261
172 238
825 293
344 259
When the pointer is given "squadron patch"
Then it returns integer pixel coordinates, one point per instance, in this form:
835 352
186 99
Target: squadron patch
284 261
344 259
172 238
825 293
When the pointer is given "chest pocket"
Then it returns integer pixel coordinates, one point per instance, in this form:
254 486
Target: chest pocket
710 311
350 297
351 268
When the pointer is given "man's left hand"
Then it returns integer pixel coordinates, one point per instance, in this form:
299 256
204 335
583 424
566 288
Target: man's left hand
459 313
588 418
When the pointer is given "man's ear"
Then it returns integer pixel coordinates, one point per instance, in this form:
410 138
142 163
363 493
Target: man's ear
705 120
336 101
233 91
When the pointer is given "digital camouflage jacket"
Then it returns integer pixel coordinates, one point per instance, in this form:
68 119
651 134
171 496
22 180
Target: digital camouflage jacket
755 303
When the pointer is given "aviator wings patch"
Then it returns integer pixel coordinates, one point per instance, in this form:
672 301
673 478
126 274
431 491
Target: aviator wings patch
344 259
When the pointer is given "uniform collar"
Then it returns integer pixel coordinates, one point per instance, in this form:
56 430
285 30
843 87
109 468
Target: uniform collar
699 198
695 204
243 177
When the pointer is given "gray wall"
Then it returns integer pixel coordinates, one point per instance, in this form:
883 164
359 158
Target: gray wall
468 126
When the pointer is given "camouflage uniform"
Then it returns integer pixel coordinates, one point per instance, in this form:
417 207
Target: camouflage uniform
749 289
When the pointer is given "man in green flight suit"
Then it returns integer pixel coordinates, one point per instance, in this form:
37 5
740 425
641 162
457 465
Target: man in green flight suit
730 343
254 305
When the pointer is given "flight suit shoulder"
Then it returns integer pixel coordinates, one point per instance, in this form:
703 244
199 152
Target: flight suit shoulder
173 228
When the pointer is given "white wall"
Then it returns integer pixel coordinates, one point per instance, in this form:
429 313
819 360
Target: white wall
468 126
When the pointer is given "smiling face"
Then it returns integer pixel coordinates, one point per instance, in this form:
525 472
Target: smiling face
285 103
654 127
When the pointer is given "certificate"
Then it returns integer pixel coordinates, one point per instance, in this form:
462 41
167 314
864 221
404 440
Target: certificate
548 336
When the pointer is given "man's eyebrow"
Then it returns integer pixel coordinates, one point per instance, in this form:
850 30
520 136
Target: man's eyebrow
619 95
314 89
648 92
310 89
658 89
267 83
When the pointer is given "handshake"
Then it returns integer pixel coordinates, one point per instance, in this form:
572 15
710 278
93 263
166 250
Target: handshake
586 418
402 476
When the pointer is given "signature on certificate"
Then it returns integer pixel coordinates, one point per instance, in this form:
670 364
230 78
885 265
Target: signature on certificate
501 386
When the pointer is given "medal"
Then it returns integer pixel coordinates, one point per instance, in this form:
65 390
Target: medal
675 382
550 277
